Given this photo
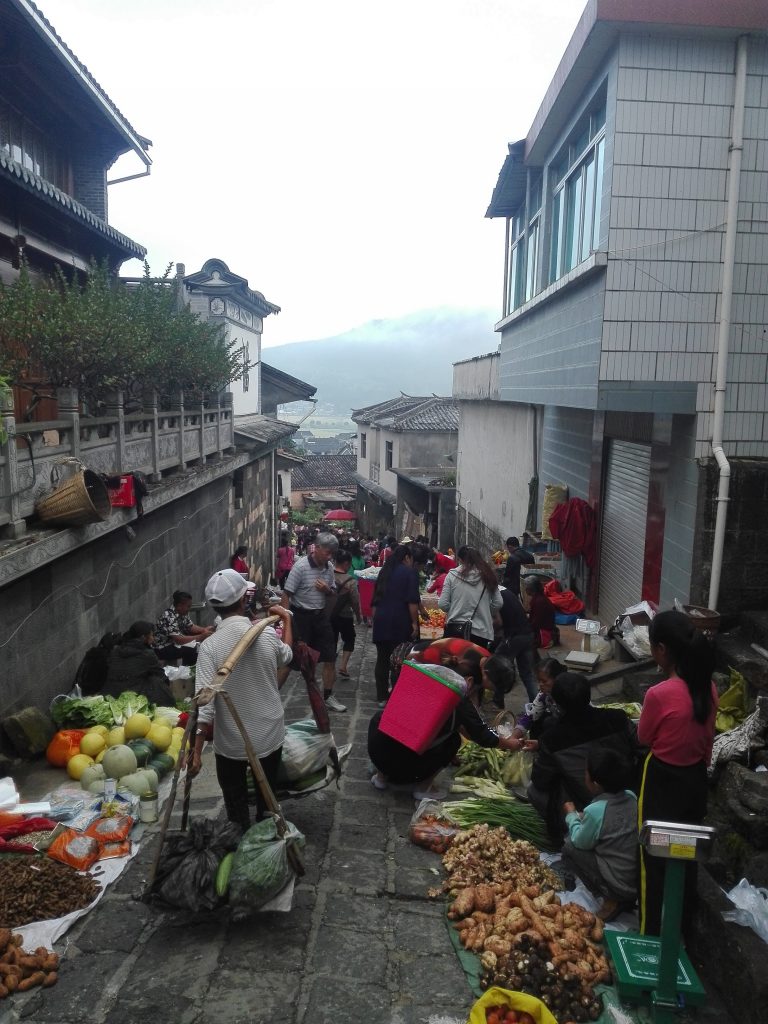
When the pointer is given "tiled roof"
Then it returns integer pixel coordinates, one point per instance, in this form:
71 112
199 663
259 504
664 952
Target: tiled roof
411 413
33 183
376 490
36 16
324 471
263 429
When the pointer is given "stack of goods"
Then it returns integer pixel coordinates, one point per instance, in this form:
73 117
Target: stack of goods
434 626
40 889
20 971
506 911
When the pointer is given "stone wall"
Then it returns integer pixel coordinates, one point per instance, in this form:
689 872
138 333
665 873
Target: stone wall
744 582
253 524
54 614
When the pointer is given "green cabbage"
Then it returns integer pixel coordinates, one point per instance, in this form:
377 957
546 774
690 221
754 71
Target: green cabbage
82 712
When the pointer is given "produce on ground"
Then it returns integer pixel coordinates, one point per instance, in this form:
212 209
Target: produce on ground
502 766
434 832
520 820
99 710
506 1015
484 854
20 970
435 617
38 888
528 942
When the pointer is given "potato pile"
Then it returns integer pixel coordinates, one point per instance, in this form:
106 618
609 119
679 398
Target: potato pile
484 854
528 942
21 971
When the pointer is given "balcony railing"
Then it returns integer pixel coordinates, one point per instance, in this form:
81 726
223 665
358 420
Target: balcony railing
152 441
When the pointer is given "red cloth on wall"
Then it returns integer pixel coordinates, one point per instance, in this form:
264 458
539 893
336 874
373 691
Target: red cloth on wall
574 524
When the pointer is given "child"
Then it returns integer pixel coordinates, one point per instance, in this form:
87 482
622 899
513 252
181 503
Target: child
601 847
541 711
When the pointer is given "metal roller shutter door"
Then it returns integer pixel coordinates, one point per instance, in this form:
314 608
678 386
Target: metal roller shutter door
625 512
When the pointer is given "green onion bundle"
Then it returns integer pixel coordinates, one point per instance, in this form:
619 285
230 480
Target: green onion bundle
521 820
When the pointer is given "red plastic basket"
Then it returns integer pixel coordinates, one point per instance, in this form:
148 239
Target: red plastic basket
418 707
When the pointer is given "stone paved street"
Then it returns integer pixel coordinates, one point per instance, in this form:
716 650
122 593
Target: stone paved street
362 942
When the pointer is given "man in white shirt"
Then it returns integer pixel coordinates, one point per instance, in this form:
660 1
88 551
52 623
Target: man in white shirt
254 690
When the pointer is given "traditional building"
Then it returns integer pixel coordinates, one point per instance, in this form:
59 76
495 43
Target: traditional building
406 466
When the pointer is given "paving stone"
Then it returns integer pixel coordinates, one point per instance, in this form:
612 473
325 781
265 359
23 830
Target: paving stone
252 997
118 931
340 953
408 855
415 881
253 944
80 986
421 932
332 1001
369 915
362 837
440 976
357 868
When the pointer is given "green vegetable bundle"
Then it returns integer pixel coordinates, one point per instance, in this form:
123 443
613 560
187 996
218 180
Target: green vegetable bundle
520 820
84 712
488 762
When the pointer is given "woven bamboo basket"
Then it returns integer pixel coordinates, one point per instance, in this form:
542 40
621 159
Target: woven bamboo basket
77 501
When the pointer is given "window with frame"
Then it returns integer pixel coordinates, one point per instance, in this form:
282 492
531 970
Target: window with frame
388 454
516 261
363 446
25 143
577 178
532 247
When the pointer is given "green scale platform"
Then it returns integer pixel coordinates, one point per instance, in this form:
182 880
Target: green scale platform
636 961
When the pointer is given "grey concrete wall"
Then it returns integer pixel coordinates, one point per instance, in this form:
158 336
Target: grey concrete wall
496 462
566 451
552 355
253 524
679 527
53 615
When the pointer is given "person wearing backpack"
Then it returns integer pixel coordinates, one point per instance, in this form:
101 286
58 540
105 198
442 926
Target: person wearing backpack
345 609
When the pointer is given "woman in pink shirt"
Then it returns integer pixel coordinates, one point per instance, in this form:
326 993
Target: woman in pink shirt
285 559
678 724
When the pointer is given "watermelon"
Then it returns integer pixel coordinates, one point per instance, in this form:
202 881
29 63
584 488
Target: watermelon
160 766
144 751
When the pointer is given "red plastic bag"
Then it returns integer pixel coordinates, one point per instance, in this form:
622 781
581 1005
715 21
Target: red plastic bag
65 744
110 830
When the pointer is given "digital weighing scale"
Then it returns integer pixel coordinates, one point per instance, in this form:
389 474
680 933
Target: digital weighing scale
656 971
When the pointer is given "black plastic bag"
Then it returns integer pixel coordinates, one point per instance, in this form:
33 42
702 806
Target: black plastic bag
186 875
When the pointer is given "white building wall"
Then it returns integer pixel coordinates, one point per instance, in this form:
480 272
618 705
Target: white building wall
674 101
495 463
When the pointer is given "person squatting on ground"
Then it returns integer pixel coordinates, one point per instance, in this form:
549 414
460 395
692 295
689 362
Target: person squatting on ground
345 610
542 711
601 847
133 665
678 724
254 690
309 583
398 765
174 632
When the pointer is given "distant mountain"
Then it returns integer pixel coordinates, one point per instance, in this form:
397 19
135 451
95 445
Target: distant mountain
368 364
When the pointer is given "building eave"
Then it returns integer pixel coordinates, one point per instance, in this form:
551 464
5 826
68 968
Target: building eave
45 30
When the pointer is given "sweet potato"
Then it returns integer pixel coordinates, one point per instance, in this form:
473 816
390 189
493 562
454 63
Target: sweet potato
50 979
464 903
50 963
3 991
5 938
17 939
34 979
11 982
29 964
485 898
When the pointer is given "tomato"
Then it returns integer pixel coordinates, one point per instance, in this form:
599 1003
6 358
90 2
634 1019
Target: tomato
511 1017
525 1018
493 1018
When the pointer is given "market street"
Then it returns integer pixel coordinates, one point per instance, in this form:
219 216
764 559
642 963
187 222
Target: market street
362 943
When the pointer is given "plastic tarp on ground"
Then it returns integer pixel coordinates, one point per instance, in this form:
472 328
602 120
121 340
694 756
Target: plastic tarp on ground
45 933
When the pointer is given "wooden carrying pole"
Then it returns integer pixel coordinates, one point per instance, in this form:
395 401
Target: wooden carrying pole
258 772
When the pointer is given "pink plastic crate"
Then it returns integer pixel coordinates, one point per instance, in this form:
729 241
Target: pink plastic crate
418 707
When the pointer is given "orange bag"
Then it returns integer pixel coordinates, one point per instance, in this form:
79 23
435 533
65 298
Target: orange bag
75 849
110 830
122 849
65 744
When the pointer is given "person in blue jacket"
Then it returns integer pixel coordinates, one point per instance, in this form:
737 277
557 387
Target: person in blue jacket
602 842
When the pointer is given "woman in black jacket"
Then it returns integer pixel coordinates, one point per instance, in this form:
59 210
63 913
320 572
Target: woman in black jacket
134 666
558 770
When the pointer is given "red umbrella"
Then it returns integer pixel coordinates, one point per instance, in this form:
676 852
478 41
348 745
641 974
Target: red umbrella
339 513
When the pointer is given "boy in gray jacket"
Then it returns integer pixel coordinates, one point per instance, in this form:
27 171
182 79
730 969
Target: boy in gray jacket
601 847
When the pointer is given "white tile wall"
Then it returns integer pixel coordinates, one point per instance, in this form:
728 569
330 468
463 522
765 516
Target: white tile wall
675 86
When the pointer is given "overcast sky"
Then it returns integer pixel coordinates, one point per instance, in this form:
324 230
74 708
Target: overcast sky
340 154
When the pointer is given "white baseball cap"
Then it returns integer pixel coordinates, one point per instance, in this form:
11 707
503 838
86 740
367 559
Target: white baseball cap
225 588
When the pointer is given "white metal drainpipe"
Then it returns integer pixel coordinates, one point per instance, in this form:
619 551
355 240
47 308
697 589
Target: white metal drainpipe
726 297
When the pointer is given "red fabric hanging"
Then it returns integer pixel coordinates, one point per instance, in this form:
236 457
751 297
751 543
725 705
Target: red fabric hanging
574 524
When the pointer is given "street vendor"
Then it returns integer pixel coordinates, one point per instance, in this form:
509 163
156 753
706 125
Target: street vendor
133 665
399 765
175 634
253 689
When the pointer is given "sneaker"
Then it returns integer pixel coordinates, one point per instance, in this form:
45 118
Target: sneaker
334 705
378 781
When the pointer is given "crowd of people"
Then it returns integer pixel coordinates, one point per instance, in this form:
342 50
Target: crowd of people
594 774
